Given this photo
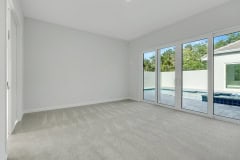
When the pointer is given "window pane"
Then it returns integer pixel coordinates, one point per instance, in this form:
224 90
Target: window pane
149 68
195 76
167 76
227 75
233 76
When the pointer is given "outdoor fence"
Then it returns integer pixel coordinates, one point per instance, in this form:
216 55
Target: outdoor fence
192 80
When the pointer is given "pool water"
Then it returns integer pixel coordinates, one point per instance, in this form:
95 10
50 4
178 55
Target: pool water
189 94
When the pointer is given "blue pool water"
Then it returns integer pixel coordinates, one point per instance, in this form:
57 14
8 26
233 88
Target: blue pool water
190 94
220 98
225 98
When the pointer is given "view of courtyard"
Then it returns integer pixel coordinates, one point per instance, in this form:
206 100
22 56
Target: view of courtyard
195 75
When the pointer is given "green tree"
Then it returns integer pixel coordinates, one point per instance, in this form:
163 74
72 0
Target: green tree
192 57
149 64
168 61
231 38
220 44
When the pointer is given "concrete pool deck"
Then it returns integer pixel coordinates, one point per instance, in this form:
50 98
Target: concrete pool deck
198 105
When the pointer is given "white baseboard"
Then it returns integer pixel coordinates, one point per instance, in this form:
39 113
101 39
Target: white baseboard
134 99
14 126
40 109
20 117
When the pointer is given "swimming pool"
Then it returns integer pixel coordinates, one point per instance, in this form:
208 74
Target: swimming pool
221 98
224 98
190 94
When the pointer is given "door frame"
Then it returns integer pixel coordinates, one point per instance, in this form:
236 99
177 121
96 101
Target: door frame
3 38
11 72
12 13
178 75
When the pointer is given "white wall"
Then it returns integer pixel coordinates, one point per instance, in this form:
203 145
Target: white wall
2 79
149 80
220 62
65 67
191 80
167 79
210 21
195 80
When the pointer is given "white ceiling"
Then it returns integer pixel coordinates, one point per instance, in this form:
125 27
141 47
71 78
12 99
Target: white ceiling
124 19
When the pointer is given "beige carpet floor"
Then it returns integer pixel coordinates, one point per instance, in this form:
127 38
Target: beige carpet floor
125 130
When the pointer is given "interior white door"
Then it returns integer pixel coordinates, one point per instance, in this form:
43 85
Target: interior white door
12 76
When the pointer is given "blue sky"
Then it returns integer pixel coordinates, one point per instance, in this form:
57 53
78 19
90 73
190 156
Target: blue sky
148 55
203 41
166 49
219 38
222 37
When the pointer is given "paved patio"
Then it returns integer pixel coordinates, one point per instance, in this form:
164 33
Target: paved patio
197 105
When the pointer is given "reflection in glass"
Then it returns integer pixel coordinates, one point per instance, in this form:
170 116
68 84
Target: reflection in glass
167 76
227 75
195 76
149 68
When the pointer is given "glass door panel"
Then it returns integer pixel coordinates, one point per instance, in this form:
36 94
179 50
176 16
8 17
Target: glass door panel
167 76
227 75
149 76
195 75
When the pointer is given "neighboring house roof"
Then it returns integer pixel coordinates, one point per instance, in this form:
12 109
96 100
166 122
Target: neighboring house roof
230 48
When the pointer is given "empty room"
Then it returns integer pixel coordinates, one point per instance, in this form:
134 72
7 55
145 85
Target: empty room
119 80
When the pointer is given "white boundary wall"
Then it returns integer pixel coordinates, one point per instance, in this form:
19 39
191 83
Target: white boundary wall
192 80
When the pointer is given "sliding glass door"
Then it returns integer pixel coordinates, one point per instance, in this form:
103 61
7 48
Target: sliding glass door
149 76
195 75
166 77
227 75
187 77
